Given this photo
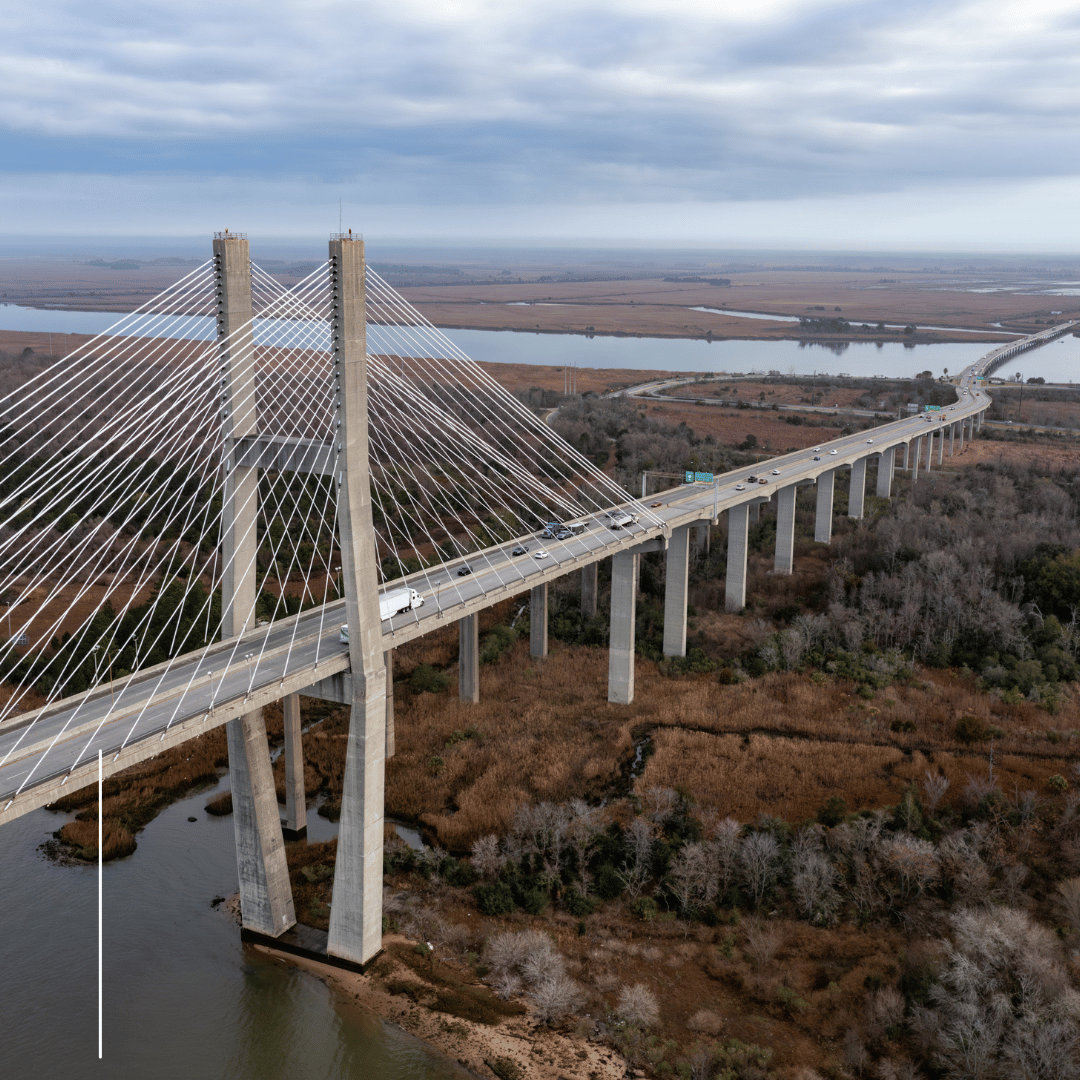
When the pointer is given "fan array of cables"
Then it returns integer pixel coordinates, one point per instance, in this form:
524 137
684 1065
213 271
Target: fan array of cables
113 485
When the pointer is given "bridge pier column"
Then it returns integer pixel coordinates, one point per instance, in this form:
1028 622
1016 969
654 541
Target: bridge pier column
929 451
826 486
589 589
737 548
703 538
356 907
915 459
469 658
980 419
886 468
295 827
902 456
266 903
962 423
952 437
941 446
754 512
538 621
784 559
391 738
624 576
677 579
856 505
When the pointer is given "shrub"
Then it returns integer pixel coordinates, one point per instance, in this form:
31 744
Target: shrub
607 882
578 905
637 1004
833 812
494 899
426 680
644 907
970 729
1058 784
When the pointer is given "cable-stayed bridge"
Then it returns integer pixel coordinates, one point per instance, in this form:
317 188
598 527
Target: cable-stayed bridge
200 510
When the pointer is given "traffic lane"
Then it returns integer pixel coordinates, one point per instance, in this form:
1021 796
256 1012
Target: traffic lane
72 749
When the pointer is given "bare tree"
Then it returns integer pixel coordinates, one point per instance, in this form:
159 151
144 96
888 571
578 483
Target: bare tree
759 854
935 785
814 881
721 858
762 943
635 869
487 859
686 876
1067 895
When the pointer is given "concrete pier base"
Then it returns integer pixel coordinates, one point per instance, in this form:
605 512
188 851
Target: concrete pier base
294 826
737 547
826 485
886 468
784 559
266 903
589 589
538 621
624 576
675 589
356 905
469 658
856 503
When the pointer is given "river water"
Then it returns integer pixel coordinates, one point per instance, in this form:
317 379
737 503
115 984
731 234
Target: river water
1058 362
183 999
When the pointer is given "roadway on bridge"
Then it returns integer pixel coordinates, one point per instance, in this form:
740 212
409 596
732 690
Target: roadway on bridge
192 694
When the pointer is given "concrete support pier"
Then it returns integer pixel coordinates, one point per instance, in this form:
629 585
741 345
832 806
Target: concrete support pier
941 446
737 547
784 560
826 485
295 827
886 467
755 512
589 589
538 621
915 459
266 905
961 447
929 451
952 438
703 534
469 658
624 576
391 742
856 503
675 591
356 908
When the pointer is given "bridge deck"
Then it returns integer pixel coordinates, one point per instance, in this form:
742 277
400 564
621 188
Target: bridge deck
133 720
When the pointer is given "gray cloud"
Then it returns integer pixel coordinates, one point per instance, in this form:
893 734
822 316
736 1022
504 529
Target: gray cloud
662 101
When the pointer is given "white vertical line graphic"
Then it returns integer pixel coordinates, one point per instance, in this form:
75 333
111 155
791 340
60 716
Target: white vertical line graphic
100 865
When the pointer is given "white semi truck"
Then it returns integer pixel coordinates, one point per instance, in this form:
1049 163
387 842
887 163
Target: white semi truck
393 603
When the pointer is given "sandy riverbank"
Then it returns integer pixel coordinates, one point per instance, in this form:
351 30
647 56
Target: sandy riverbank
539 1052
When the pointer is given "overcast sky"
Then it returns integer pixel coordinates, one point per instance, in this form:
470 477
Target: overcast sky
891 123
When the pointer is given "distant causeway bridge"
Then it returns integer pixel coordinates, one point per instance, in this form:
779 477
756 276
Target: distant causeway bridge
200 510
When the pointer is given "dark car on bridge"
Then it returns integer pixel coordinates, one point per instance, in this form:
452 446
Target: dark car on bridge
464 571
